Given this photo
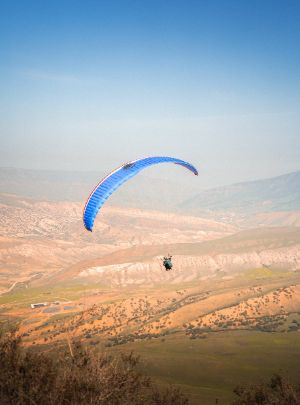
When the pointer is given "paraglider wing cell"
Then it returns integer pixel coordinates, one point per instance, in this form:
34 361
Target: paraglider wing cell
114 180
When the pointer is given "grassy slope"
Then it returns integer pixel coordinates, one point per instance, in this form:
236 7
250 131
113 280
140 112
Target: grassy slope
210 368
205 369
24 297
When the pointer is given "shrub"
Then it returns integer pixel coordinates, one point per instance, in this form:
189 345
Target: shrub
86 377
278 391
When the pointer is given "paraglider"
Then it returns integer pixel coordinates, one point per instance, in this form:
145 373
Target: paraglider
167 262
116 178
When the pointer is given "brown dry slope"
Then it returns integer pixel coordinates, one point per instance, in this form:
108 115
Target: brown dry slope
112 318
197 296
224 257
44 237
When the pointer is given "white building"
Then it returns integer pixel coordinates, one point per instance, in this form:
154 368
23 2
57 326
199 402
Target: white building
39 305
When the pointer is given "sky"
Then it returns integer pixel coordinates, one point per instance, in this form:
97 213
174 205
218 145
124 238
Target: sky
88 85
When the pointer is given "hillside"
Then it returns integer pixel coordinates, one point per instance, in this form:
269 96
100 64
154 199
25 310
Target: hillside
230 290
269 202
40 237
266 248
270 195
262 300
45 242
143 191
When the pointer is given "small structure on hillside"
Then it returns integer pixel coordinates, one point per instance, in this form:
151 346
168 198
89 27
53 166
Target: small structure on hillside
39 305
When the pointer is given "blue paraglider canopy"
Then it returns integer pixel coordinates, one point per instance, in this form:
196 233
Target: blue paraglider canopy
117 177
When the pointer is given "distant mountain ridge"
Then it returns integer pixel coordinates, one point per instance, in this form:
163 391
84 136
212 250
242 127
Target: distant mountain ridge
280 193
142 191
277 194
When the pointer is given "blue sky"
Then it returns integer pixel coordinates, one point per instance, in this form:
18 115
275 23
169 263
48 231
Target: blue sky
86 85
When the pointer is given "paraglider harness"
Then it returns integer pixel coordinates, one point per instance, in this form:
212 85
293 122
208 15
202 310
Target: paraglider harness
167 262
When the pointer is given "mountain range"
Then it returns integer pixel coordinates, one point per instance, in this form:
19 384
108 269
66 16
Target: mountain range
277 194
280 193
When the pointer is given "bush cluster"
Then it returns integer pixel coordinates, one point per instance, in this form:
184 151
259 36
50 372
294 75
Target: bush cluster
277 391
86 377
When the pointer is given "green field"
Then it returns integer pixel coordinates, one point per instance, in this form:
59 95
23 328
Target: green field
206 369
23 297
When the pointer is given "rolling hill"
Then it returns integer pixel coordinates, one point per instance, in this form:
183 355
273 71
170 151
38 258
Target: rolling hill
269 202
45 236
143 191
230 291
269 195
266 248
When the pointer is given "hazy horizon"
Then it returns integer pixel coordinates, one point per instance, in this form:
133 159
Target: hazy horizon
167 172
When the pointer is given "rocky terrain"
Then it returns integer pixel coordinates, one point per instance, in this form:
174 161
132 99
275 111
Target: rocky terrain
110 288
45 237
266 248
